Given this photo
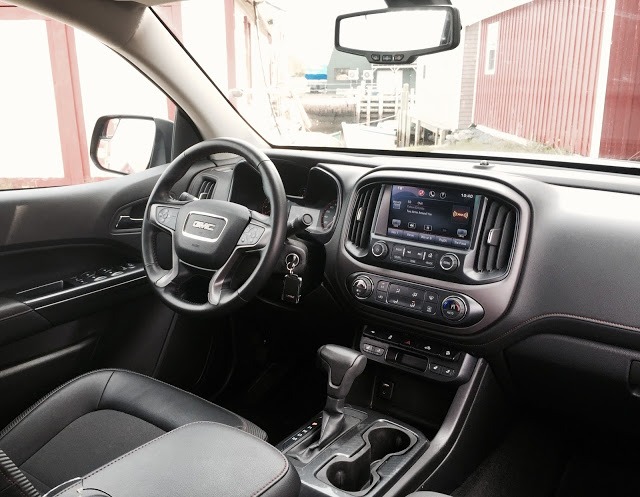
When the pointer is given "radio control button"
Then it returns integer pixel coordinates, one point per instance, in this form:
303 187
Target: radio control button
410 252
379 250
398 250
427 238
449 262
464 244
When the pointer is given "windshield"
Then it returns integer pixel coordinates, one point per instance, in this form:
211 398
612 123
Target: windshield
553 77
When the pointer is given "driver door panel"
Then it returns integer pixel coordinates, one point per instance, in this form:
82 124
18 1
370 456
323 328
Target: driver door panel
54 316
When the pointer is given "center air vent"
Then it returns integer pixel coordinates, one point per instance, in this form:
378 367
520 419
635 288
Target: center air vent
496 238
362 215
205 190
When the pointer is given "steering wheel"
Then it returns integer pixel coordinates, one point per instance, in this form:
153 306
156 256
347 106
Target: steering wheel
210 236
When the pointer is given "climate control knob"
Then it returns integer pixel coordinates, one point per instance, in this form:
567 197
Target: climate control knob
454 308
449 262
379 250
362 287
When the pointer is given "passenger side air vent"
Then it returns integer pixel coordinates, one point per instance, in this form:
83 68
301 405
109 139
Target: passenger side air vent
496 238
362 215
205 190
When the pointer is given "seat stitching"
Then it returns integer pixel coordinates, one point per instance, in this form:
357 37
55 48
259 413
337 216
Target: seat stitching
12 484
240 418
25 414
104 390
286 463
277 477
21 417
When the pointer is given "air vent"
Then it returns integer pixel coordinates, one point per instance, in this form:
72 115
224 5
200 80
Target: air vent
205 190
362 215
496 238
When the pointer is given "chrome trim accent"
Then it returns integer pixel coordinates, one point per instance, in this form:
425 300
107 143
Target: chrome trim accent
203 238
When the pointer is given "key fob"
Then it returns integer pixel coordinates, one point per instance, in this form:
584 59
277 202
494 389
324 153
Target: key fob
291 288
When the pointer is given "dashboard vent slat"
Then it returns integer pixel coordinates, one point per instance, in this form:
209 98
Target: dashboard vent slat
362 216
205 190
496 238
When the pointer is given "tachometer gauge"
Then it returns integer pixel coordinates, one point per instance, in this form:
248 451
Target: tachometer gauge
266 207
328 215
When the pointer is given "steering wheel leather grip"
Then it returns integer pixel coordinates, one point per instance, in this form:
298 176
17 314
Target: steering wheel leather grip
210 236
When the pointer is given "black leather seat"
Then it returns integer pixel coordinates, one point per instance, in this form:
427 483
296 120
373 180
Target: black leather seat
98 417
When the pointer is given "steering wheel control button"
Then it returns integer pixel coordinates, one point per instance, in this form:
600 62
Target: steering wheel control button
380 250
251 235
167 216
362 287
449 262
454 308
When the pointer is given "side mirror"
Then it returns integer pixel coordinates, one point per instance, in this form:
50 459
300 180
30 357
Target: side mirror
398 36
130 144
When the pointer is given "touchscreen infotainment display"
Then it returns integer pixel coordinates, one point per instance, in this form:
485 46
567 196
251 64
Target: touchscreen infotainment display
432 215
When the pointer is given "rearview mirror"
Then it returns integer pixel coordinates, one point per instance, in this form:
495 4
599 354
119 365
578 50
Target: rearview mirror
130 144
398 36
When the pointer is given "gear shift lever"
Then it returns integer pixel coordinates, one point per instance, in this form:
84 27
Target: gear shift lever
343 366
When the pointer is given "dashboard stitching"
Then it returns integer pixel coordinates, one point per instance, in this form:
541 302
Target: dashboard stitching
561 315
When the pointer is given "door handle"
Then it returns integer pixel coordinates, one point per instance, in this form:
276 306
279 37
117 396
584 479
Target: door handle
128 223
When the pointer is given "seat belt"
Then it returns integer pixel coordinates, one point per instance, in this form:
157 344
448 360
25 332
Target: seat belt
13 482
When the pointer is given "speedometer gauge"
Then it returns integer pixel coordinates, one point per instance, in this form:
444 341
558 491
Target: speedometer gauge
328 215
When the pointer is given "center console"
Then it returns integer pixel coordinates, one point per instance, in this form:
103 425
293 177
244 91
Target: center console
350 450
431 251
365 460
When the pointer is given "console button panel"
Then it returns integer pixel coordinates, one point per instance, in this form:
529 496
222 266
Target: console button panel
444 263
416 354
427 303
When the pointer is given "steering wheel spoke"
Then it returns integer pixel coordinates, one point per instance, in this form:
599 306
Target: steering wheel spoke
177 275
254 239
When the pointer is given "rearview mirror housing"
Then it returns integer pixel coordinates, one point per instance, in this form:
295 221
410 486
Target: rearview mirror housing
399 35
130 144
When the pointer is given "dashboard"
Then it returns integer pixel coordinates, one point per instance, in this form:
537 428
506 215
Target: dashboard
531 265
463 231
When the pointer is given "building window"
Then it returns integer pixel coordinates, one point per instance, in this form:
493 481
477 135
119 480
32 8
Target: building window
493 30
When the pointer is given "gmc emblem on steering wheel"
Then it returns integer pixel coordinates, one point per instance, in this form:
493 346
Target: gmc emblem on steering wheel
204 226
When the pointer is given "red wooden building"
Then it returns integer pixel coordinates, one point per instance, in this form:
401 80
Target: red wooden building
564 73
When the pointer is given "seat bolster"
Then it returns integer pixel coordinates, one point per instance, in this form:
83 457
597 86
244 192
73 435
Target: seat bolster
26 434
164 405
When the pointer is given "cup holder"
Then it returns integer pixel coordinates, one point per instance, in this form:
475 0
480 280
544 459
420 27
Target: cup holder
358 473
